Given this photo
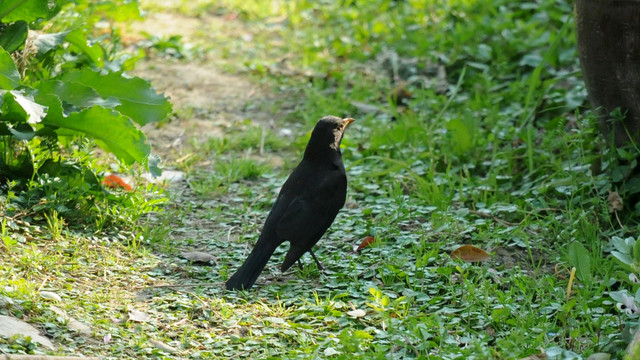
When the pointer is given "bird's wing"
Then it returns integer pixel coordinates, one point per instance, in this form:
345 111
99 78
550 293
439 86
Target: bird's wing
309 215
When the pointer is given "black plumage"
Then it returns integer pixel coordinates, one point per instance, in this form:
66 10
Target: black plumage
306 205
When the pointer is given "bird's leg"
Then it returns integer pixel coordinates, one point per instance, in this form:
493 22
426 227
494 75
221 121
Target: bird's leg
300 264
316 260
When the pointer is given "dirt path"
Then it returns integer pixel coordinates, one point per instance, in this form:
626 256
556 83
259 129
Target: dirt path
206 99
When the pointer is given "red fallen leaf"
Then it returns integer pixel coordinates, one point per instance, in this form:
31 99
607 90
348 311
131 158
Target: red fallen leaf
115 182
470 253
368 240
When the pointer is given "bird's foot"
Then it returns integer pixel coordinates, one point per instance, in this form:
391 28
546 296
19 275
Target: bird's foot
316 260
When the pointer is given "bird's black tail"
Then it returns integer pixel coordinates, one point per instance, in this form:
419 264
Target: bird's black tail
248 273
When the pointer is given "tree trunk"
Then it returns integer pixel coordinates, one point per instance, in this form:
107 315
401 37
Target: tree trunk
608 34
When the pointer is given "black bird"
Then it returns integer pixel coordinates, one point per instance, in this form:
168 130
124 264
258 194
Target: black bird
306 205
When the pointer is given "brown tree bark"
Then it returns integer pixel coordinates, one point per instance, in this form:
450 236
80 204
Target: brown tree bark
608 34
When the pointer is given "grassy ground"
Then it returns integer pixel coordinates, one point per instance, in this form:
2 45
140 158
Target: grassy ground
470 130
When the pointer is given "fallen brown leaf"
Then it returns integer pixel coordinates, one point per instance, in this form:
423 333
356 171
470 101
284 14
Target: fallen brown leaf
470 253
365 242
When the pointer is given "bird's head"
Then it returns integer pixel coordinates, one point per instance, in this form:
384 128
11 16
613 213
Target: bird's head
327 135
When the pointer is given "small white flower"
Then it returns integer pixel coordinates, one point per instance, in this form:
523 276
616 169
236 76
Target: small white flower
633 278
628 305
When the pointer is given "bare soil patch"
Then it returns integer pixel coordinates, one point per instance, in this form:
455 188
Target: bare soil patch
206 99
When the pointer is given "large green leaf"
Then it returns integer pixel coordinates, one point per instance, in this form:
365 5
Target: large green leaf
19 107
75 95
9 75
138 99
14 36
22 131
46 42
27 10
112 131
94 52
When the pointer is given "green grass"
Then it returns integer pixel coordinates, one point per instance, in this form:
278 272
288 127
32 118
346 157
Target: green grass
502 158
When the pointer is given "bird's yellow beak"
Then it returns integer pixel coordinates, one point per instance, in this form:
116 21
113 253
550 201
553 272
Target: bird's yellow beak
348 121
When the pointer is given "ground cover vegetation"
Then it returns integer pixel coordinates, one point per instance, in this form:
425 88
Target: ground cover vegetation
472 127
